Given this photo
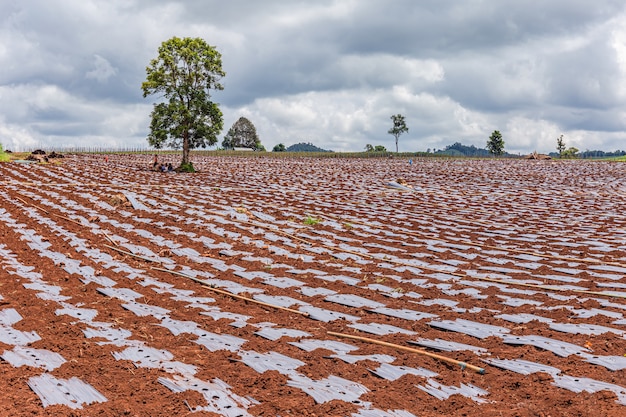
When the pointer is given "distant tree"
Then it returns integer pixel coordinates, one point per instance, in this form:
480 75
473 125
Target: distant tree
570 153
377 148
242 135
560 145
184 73
279 148
399 127
495 144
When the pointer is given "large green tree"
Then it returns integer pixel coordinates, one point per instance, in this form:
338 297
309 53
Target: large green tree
242 135
495 144
183 75
399 127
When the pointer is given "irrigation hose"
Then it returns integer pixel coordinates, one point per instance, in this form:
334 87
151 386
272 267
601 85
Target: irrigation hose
230 294
463 365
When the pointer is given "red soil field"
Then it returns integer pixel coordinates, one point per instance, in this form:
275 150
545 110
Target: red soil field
265 286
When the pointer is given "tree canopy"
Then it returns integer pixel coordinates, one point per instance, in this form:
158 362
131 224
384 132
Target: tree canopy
183 74
377 148
242 135
495 144
399 127
279 148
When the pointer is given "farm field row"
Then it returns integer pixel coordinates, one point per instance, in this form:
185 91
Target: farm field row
260 287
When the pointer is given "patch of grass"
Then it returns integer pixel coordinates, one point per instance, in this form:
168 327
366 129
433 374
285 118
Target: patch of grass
188 167
5 157
311 221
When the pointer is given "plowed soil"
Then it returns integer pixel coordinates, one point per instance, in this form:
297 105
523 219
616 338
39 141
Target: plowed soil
260 287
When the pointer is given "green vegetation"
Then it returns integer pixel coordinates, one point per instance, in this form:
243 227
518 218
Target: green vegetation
184 73
570 153
186 167
242 135
377 148
4 157
311 221
279 148
399 127
495 144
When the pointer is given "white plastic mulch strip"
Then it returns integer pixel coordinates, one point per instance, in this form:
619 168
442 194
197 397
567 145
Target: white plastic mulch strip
442 392
393 372
557 347
37 358
328 389
220 400
70 392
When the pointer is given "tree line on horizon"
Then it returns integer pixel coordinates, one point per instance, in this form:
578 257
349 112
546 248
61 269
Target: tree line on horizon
188 69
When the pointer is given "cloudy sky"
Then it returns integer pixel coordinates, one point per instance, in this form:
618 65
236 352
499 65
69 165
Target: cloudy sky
329 72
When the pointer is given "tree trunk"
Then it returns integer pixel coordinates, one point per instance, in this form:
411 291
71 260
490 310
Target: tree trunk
396 144
185 148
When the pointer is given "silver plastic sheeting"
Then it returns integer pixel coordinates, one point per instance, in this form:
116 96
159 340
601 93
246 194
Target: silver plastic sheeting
178 327
442 392
272 333
37 358
324 315
393 372
143 310
239 320
403 313
132 198
147 357
11 336
523 318
87 314
380 329
352 359
351 300
557 347
579 384
310 345
217 394
614 363
522 366
313 291
472 328
278 300
583 328
271 361
447 346
124 294
328 389
215 342
113 336
9 317
70 392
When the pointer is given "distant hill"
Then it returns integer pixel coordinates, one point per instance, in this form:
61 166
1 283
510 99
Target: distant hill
304 147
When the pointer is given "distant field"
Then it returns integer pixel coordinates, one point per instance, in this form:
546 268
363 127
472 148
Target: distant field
313 287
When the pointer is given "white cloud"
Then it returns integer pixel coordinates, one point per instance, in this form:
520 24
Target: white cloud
330 72
103 70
